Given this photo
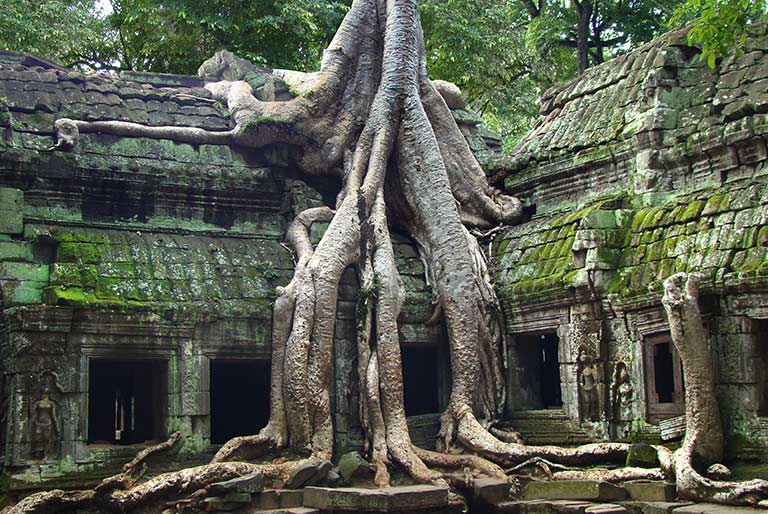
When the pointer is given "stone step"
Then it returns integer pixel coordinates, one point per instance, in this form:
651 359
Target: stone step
546 427
589 490
651 507
538 414
289 510
557 506
650 491
391 499
490 491
711 508
279 499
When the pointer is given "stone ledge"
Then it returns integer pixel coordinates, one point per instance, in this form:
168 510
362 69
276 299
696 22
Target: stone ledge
393 499
573 490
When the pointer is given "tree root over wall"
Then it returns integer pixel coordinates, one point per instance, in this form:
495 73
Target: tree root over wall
372 118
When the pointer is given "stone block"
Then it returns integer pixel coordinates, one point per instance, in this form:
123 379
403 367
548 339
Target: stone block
252 483
310 473
237 497
711 508
650 491
24 271
491 490
605 508
653 507
290 497
15 251
217 504
393 499
11 199
352 465
642 456
11 222
573 490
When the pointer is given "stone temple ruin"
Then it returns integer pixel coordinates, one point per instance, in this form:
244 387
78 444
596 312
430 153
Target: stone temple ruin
137 275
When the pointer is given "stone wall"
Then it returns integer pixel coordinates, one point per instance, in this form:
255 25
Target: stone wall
647 165
149 251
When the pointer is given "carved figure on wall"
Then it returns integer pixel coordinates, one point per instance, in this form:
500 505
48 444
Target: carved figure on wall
45 430
623 393
589 380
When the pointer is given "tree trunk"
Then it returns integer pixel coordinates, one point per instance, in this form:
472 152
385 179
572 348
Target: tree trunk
373 119
702 412
584 12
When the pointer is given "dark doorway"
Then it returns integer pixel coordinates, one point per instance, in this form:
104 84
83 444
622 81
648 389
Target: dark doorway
760 333
665 373
126 400
539 370
664 378
420 378
239 398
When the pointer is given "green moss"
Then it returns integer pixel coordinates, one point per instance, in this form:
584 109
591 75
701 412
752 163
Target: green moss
691 212
749 471
718 202
59 295
755 267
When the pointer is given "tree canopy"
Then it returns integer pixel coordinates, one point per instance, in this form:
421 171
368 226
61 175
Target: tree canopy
503 54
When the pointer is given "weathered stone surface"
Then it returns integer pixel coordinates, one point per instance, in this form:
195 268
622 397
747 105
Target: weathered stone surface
218 504
253 483
491 490
651 507
393 499
718 472
650 491
711 508
352 466
642 456
309 473
572 490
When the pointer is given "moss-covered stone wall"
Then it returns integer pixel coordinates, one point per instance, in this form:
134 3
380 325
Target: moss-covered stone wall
647 165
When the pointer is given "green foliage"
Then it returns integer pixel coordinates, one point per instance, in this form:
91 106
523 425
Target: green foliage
719 26
491 55
276 33
504 54
70 32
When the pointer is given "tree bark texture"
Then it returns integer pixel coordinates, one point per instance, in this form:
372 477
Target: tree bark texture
372 118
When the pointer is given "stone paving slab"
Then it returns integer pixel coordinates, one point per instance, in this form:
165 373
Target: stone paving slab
650 491
652 507
392 499
573 490
711 508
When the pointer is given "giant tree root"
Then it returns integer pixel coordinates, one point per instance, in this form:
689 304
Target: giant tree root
372 119
147 496
703 442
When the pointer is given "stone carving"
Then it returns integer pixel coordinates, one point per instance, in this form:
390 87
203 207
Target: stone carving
589 380
622 393
44 419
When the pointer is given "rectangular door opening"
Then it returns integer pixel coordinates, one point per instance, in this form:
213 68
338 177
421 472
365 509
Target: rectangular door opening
761 354
126 401
540 370
421 382
664 378
239 398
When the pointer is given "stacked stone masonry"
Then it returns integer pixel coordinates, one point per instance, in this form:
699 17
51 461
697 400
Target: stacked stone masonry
165 256
648 165
153 255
